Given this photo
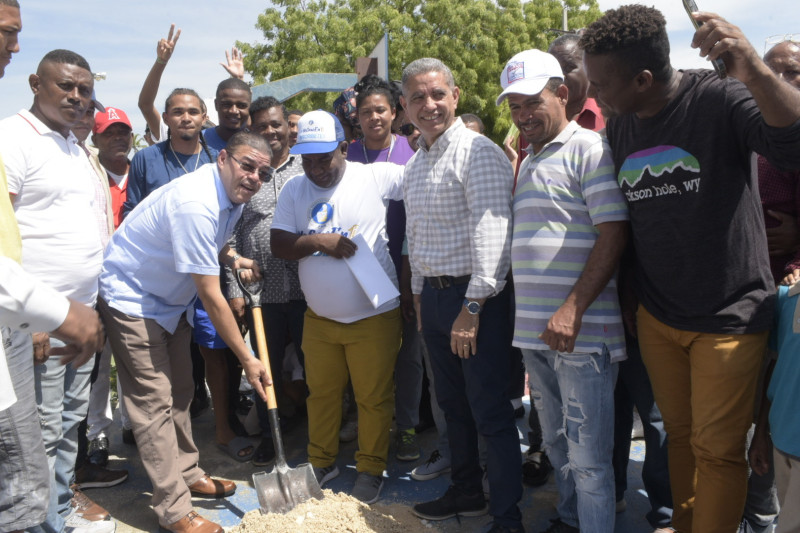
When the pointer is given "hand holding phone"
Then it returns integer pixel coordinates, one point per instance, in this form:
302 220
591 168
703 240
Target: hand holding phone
719 64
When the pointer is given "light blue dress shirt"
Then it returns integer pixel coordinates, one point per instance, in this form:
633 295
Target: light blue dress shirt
178 230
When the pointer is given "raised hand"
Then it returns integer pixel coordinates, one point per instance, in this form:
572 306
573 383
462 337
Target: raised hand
166 46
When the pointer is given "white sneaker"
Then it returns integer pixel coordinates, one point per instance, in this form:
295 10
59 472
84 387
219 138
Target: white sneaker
76 523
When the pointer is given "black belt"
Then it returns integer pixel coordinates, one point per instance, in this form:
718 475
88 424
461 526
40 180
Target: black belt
443 282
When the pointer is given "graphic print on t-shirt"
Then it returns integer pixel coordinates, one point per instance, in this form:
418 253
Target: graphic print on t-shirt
321 212
669 163
320 217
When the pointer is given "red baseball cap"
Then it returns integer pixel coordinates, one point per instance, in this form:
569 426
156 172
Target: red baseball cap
111 115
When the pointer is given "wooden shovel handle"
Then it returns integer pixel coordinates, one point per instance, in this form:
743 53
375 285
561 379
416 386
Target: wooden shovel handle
263 355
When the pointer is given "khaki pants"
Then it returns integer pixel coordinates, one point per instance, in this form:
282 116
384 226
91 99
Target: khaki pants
787 477
705 386
155 370
365 353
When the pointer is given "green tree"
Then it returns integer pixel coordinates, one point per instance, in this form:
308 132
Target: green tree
473 37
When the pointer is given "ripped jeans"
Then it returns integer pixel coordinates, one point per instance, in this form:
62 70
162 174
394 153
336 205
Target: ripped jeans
574 396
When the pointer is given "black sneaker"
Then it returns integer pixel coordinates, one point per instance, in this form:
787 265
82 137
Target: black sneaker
98 451
453 503
536 468
558 526
265 452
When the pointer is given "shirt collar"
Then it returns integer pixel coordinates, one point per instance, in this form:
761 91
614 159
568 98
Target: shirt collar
444 139
561 138
41 128
289 161
222 196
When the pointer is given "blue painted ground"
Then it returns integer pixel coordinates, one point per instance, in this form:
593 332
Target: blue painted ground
129 503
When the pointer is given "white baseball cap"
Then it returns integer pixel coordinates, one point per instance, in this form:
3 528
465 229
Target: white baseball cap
318 132
527 73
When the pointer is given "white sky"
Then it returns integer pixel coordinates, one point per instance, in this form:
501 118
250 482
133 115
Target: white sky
119 38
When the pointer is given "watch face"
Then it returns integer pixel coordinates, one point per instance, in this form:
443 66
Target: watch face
474 308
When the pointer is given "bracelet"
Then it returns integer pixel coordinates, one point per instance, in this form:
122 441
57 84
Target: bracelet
160 61
233 259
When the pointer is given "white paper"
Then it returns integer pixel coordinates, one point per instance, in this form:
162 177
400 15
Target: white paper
370 274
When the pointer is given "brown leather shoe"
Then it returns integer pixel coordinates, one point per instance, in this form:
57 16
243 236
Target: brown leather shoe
206 487
86 507
193 523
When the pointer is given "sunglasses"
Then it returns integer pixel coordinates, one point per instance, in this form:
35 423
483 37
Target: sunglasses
264 174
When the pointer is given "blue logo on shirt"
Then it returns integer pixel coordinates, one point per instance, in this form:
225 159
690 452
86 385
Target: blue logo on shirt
322 213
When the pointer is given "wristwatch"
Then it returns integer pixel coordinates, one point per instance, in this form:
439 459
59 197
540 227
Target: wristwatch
233 259
473 308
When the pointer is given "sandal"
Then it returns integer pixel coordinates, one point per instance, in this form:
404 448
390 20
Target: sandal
236 446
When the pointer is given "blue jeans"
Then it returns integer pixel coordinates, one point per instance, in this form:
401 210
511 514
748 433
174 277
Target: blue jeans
24 483
62 394
634 389
574 395
473 395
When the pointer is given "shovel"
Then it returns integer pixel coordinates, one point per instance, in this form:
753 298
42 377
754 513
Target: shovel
284 488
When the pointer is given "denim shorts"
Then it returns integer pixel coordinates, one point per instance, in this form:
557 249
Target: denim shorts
205 334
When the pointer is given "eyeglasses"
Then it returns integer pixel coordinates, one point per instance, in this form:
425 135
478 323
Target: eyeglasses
406 130
265 175
775 39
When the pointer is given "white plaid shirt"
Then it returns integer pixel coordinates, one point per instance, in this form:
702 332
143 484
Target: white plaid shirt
458 207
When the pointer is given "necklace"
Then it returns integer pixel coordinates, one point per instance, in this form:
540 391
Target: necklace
388 154
196 162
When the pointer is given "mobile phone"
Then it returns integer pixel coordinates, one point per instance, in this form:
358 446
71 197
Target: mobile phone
719 64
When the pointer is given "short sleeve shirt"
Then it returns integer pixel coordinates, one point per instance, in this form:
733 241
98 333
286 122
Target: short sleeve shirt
562 193
356 205
177 231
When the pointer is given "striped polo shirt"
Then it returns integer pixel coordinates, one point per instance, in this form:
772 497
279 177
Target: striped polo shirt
562 193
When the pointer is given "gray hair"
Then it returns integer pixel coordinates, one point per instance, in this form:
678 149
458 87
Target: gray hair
424 65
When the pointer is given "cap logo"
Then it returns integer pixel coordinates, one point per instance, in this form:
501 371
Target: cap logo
515 71
112 114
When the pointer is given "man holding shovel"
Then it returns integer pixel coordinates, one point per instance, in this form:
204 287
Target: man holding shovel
164 255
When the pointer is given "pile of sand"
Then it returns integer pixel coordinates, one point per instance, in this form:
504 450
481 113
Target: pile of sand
336 513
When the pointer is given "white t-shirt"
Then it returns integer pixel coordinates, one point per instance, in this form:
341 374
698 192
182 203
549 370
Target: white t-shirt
54 187
356 205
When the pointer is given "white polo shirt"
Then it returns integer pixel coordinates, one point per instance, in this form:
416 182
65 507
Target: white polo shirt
53 184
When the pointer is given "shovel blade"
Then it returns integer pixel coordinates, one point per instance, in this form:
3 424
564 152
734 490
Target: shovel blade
283 489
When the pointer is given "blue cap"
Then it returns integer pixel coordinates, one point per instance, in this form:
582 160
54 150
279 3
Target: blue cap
318 132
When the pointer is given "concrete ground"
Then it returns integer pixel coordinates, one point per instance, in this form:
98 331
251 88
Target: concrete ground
129 503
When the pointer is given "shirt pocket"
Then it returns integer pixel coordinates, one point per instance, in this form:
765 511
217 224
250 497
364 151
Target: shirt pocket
447 201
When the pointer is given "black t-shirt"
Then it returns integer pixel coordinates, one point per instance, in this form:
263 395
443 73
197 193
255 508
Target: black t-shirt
697 225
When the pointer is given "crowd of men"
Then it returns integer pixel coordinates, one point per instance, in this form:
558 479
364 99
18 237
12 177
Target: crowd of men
625 246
